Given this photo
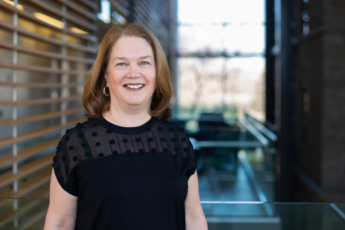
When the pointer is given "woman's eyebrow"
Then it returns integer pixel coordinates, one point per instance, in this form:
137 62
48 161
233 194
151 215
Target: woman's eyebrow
124 58
148 56
121 58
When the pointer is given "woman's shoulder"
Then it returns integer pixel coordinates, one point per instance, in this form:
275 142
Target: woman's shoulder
171 124
74 139
179 129
79 130
179 133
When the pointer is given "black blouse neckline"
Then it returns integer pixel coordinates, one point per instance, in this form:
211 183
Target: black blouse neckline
127 130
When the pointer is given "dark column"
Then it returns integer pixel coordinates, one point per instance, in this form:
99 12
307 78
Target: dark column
283 95
131 17
270 95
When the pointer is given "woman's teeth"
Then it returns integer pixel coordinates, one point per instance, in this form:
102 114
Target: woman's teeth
134 86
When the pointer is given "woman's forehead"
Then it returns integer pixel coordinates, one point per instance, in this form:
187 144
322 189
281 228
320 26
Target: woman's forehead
131 47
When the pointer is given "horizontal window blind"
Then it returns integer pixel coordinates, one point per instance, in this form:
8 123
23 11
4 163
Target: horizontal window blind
46 50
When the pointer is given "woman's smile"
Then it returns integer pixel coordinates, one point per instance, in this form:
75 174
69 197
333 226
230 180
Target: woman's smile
134 86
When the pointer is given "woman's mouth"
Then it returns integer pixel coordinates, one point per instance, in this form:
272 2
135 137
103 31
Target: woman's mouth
134 87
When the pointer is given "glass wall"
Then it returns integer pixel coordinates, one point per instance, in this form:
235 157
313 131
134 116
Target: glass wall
221 66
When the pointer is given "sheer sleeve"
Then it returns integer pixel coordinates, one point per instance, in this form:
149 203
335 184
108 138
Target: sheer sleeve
69 153
188 152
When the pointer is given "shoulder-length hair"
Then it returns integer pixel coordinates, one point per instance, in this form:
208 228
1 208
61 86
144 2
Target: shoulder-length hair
96 103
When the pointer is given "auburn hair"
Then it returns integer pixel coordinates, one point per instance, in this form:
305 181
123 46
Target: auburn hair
96 103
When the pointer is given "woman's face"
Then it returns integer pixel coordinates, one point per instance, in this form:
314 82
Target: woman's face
131 73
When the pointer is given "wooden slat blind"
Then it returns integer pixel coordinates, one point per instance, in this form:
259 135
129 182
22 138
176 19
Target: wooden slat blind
46 50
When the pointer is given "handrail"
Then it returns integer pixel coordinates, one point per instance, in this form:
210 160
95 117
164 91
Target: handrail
255 132
269 125
271 135
230 144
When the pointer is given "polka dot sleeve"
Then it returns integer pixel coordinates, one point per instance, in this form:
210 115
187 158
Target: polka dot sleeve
70 151
188 152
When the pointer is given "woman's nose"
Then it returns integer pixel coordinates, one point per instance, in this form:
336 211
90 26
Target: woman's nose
134 71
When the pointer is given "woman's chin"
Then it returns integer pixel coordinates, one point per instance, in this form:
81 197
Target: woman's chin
135 103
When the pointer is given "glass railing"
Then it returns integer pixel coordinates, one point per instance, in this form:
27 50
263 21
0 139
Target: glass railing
30 214
274 216
236 161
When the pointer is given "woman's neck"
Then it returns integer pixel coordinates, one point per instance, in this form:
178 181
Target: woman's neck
125 119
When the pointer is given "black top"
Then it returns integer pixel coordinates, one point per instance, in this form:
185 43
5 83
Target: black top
126 178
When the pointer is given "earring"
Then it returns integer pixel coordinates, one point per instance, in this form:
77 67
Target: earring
105 92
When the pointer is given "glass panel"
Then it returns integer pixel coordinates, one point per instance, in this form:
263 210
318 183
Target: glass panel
341 207
31 8
5 74
297 216
80 5
230 38
6 17
39 45
39 29
38 77
5 113
80 78
28 110
78 15
262 164
75 115
79 66
49 3
5 93
33 60
235 160
27 94
75 53
6 55
76 90
231 85
74 40
6 36
284 216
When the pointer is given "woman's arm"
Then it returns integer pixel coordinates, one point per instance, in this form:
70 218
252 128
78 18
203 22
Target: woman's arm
62 209
195 217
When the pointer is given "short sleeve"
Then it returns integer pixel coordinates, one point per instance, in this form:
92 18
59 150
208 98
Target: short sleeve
193 161
69 153
188 151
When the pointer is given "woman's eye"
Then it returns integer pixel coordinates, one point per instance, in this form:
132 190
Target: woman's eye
144 63
121 64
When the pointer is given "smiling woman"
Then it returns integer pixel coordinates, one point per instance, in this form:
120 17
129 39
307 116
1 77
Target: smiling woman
129 56
127 167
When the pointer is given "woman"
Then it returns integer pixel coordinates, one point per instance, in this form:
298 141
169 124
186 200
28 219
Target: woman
127 167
